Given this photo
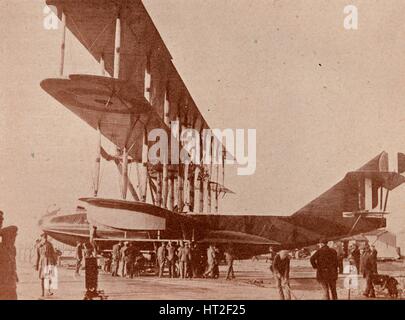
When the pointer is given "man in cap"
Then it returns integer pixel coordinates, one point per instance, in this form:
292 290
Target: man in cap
355 257
184 259
281 272
129 260
46 261
368 271
79 256
229 257
338 246
161 258
124 252
211 260
116 257
171 259
8 268
325 261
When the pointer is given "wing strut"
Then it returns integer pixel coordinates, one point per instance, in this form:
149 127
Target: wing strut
117 45
354 225
98 162
63 44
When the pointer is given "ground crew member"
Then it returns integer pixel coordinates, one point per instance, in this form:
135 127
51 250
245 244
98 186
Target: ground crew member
229 262
281 273
129 260
325 261
171 260
161 258
196 260
211 255
93 236
79 256
184 255
374 253
340 254
46 261
8 269
369 270
1 219
215 272
107 262
116 257
271 257
354 257
123 254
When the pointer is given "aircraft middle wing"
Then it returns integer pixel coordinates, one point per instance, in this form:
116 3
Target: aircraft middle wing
113 106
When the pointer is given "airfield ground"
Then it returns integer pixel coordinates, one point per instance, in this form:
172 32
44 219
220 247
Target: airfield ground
253 282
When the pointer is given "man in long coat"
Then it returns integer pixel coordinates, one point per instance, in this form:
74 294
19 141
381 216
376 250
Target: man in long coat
8 268
46 261
325 261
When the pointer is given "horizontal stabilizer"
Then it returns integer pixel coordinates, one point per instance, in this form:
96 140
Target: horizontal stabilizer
388 180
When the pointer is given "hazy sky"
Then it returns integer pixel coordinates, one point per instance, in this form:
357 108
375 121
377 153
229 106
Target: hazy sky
323 100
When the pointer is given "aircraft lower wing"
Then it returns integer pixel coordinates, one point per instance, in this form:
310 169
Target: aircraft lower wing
234 237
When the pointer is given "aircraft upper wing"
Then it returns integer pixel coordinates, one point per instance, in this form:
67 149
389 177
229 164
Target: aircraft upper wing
119 107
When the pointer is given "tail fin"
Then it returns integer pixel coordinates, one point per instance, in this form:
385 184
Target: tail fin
363 192
360 190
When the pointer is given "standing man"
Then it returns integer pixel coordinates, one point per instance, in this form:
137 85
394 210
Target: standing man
211 255
116 257
369 268
123 254
281 272
8 267
216 263
374 254
325 261
229 262
340 255
171 260
271 256
79 256
355 257
46 260
195 260
161 258
184 259
129 260
93 236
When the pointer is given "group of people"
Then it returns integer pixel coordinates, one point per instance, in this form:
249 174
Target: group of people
364 262
83 250
8 268
45 262
328 263
192 261
126 259
179 260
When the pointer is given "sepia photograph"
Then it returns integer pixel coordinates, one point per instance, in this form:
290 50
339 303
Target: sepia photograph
202 150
